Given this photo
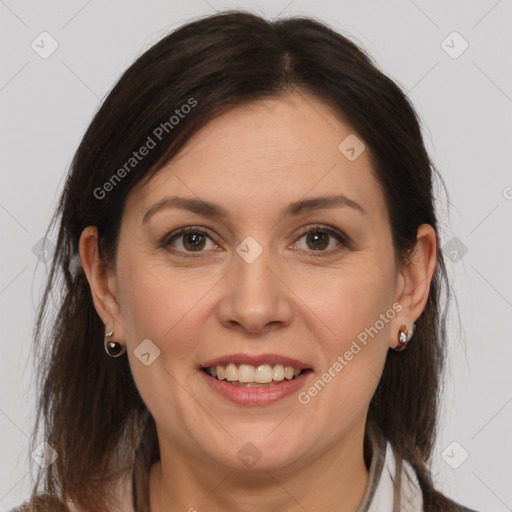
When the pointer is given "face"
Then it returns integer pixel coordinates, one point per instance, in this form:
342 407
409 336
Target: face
317 284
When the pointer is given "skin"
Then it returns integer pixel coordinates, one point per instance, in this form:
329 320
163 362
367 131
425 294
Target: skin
292 300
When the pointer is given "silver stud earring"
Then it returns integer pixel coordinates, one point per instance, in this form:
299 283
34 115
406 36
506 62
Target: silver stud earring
113 348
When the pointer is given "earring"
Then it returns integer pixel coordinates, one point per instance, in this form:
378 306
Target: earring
403 337
113 348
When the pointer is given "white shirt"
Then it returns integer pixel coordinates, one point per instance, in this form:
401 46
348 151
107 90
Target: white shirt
379 492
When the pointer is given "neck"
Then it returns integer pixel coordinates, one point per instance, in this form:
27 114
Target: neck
337 477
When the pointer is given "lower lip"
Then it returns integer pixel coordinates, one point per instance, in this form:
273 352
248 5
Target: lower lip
257 395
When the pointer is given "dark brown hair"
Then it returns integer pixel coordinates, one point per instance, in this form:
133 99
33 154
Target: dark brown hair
90 409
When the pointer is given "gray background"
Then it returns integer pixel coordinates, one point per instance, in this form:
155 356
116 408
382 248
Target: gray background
465 104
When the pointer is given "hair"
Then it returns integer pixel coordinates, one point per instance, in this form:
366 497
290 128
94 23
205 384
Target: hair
89 408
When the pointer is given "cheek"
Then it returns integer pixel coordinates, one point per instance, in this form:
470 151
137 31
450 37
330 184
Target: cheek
353 360
356 309
347 301
163 307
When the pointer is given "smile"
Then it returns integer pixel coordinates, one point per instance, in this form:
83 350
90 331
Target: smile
255 393
264 374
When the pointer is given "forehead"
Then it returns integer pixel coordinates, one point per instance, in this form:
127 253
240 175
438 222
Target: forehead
266 154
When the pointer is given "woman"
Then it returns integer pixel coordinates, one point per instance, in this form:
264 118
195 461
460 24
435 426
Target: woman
251 312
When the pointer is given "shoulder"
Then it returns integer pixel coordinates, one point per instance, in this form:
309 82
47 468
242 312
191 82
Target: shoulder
50 503
41 503
461 508
412 493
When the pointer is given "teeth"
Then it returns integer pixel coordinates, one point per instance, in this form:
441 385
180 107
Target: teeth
245 373
288 372
231 373
278 372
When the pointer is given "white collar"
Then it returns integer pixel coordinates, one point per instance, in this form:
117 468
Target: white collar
379 493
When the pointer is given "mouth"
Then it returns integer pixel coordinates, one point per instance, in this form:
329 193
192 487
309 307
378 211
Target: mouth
255 380
248 376
237 384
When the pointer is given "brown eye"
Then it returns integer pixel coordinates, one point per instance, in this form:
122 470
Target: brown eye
193 241
187 240
317 240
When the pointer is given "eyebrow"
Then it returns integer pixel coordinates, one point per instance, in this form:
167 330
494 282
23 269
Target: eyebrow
209 209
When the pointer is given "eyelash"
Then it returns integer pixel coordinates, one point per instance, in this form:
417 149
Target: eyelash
340 236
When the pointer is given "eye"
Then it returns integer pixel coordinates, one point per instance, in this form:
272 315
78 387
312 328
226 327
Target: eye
318 239
190 239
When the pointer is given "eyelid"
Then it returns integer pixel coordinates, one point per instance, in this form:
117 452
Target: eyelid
328 229
344 240
169 237
332 231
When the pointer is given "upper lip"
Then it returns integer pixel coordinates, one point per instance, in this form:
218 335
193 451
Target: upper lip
256 360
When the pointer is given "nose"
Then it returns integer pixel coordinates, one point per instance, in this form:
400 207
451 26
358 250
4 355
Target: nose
256 298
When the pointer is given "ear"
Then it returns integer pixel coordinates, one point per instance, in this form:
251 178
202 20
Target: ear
103 283
413 282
